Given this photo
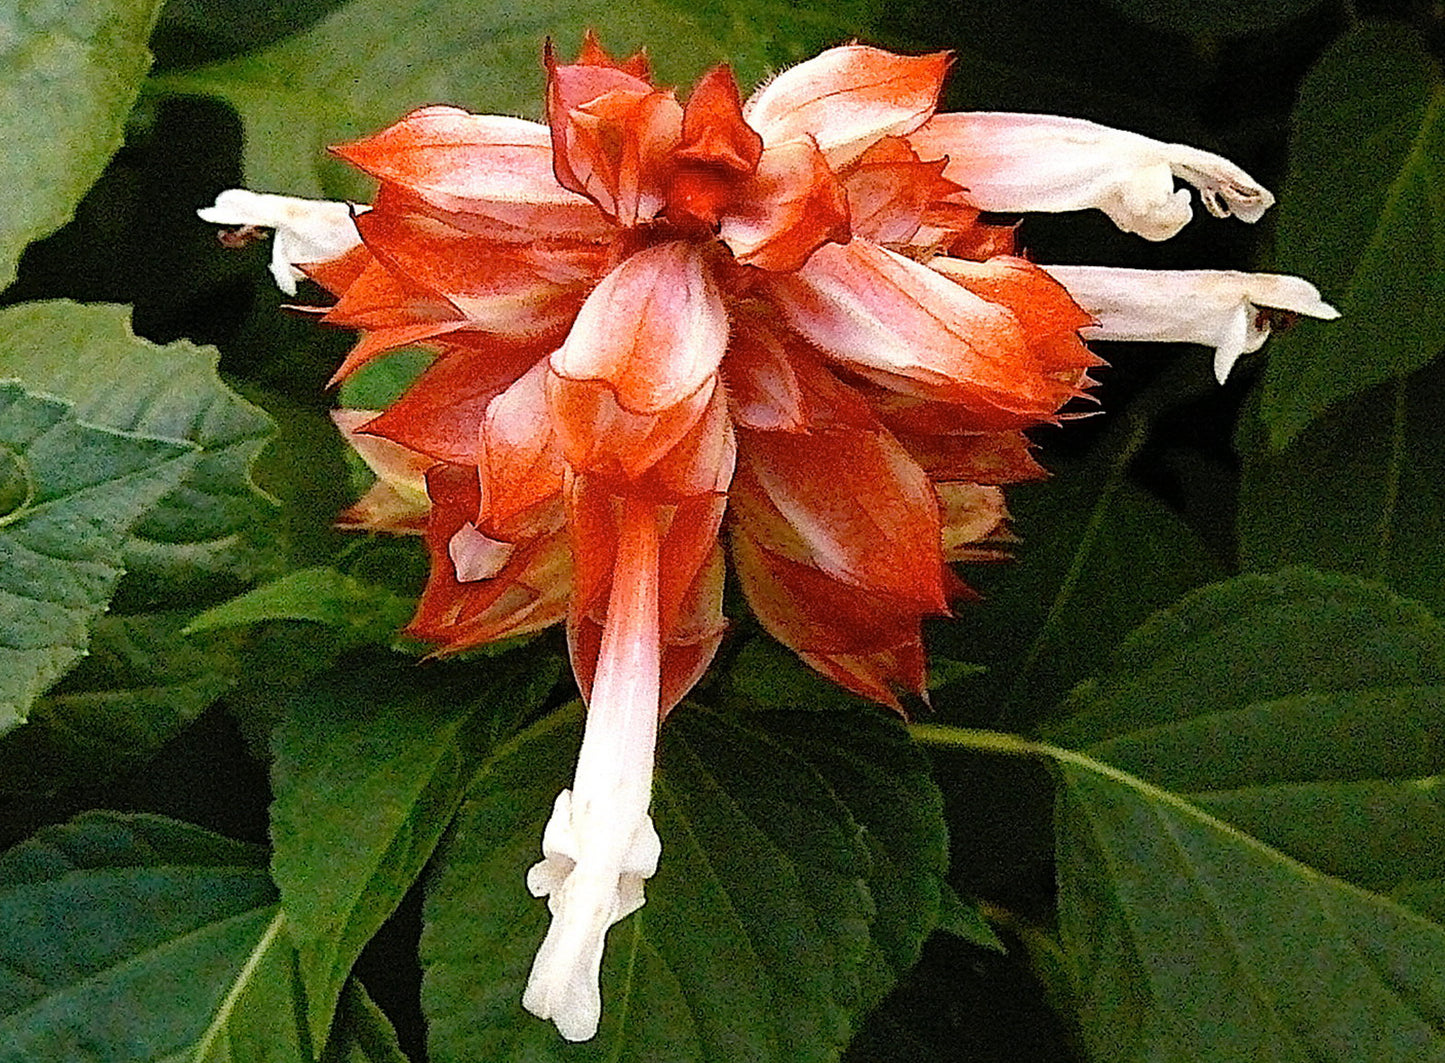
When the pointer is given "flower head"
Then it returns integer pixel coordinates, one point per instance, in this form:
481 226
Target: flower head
663 324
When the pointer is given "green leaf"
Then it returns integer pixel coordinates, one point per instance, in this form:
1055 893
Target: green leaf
88 355
69 74
1261 723
802 854
363 1033
1362 214
141 683
963 920
1097 555
142 939
369 769
322 595
1362 490
61 542
334 82
1215 20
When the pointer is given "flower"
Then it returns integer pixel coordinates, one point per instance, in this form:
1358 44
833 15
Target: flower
786 321
307 230
1229 311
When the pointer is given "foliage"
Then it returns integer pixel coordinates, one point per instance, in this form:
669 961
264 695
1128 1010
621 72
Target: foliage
1177 793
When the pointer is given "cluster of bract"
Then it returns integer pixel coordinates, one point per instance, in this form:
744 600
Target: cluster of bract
785 327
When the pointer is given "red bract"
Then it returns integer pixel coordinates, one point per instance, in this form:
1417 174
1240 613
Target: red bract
634 302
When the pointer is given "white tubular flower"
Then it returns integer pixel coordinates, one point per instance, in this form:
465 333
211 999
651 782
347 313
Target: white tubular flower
600 844
1223 309
307 230
1018 163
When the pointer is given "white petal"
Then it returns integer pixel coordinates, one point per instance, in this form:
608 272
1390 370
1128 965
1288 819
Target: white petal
1215 308
475 556
1034 162
307 230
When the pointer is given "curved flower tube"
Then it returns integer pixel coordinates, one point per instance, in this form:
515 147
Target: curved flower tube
664 327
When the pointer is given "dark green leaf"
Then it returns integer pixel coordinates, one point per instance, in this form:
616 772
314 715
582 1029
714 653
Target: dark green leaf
362 1034
364 611
62 540
1359 491
1215 20
1362 214
370 768
140 684
963 920
802 854
142 939
333 81
69 74
89 356
1276 720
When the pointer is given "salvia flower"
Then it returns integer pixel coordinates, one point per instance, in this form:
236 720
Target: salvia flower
662 324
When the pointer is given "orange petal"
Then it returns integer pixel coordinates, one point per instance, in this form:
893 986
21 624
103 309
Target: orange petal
338 274
601 437
777 383
982 457
442 412
527 594
654 330
493 168
848 98
866 643
788 208
901 323
612 134
713 130
848 502
509 289
518 457
890 191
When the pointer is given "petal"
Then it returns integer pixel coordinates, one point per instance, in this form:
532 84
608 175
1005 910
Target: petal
307 230
713 130
890 318
784 211
654 330
971 514
518 458
510 289
890 191
777 383
848 98
980 457
491 167
612 135
848 502
398 501
527 594
1215 308
441 413
601 437
1033 162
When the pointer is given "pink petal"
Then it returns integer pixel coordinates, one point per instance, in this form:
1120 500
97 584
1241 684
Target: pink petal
848 98
518 457
654 330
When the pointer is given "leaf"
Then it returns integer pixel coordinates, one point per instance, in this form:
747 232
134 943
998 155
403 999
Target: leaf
69 74
140 684
60 543
1261 722
323 595
1359 491
1097 555
1215 20
799 871
88 355
369 769
363 1033
1362 214
334 81
966 921
138 938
